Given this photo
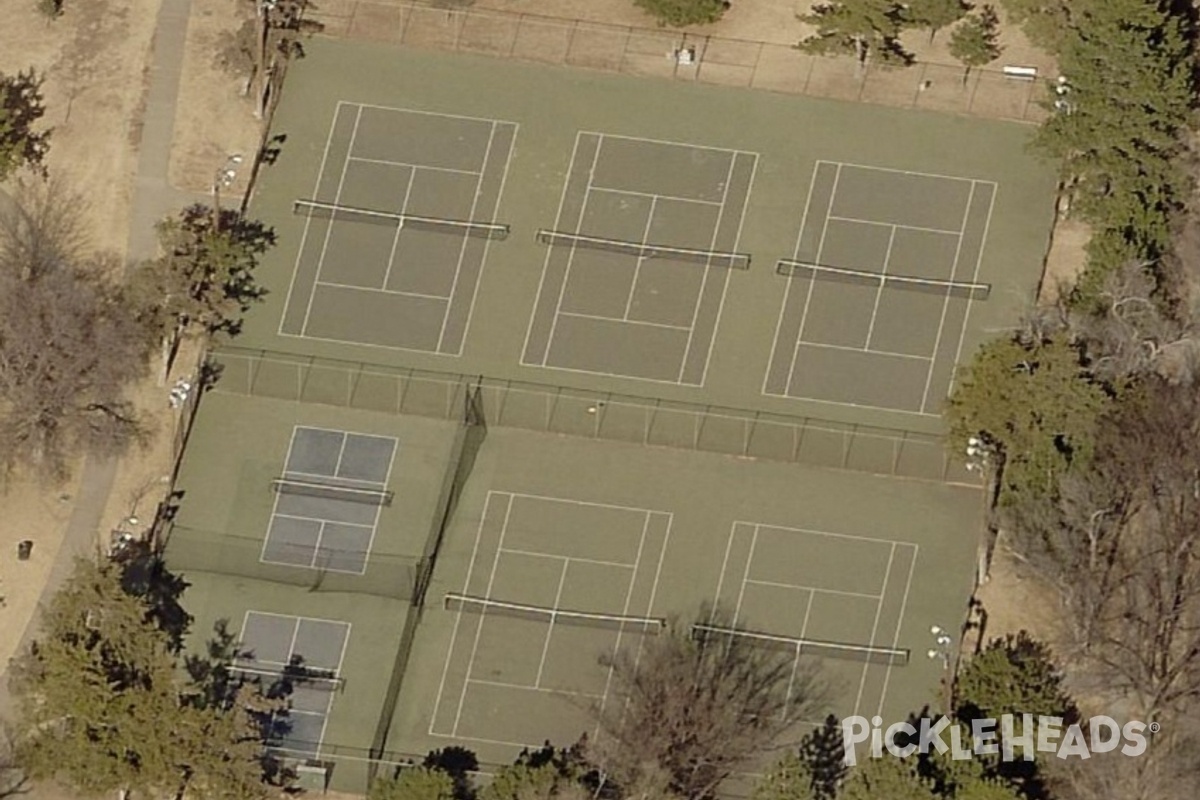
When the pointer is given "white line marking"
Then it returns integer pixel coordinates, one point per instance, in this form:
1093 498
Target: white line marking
801 587
537 303
637 561
337 199
712 245
414 166
887 257
871 350
462 250
887 675
812 282
787 293
595 561
400 110
919 228
287 301
906 172
975 279
937 340
395 292
387 479
634 193
815 532
637 268
458 617
796 659
387 273
724 566
523 688
737 238
487 243
642 322
737 611
573 502
562 291
862 684
562 581
482 617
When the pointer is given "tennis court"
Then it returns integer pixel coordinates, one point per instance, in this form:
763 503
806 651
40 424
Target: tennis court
398 228
879 287
639 258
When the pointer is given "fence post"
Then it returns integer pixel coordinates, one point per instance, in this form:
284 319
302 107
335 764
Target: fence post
570 41
512 48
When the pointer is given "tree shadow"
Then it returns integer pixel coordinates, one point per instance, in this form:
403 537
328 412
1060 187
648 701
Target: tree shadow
144 575
824 752
458 763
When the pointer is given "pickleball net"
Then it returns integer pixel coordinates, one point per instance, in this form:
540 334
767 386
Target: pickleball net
588 619
691 255
961 289
872 654
341 213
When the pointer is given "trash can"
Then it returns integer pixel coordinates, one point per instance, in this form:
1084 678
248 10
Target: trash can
24 549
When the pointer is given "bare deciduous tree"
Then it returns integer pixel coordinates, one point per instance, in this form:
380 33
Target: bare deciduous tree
692 710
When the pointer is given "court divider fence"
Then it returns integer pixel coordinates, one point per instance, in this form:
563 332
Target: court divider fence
590 414
655 52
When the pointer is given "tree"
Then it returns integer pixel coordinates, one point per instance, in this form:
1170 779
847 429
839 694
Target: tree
791 778
20 109
69 349
1045 22
935 14
204 280
976 41
887 777
101 708
413 783
1013 675
1034 403
690 710
864 28
681 13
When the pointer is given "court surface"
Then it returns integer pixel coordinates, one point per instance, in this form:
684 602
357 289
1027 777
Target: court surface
649 311
879 287
370 278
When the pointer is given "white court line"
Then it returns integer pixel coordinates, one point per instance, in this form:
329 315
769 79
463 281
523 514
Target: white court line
333 340
637 561
712 245
462 698
845 404
458 617
641 322
862 684
904 171
414 166
387 479
737 611
724 566
262 554
634 193
787 293
395 292
937 339
737 239
919 228
462 249
637 268
873 351
426 113
562 581
801 587
814 532
812 283
337 199
537 302
287 301
887 675
796 659
387 273
292 617
337 466
690 145
487 243
595 561
562 290
887 257
975 279
523 688
570 501
620 376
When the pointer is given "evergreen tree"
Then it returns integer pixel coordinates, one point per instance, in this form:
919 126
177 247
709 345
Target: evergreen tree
976 41
935 14
863 28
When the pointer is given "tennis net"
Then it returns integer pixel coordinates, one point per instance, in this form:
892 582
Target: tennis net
872 654
965 290
336 212
295 675
587 619
693 255
375 497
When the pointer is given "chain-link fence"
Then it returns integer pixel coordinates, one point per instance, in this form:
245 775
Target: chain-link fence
706 59
590 414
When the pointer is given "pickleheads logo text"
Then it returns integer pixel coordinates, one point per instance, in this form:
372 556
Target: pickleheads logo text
1004 736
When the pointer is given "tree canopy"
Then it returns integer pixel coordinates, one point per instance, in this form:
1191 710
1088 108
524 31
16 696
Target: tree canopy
681 13
866 29
21 107
933 15
975 42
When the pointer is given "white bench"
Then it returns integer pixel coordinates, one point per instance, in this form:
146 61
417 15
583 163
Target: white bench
1021 73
